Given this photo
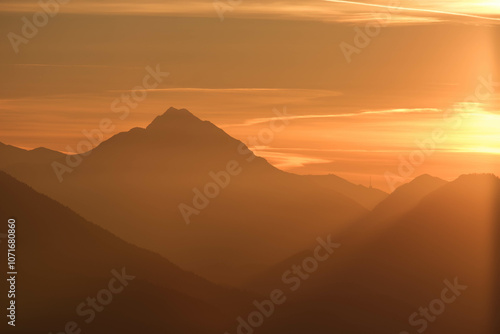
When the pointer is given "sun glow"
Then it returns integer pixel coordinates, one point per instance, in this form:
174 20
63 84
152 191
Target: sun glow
479 132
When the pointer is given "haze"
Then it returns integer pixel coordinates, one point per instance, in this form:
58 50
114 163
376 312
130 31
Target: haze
237 70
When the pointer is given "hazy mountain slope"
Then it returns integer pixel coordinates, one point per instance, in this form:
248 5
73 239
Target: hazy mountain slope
374 282
134 183
64 259
10 155
407 196
367 197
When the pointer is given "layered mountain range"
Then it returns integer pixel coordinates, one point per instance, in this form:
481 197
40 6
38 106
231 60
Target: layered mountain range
186 210
144 183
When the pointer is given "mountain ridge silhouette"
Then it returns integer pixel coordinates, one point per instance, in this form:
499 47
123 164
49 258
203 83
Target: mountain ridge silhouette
387 276
155 170
65 259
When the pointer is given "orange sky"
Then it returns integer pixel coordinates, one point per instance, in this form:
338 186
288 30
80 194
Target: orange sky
352 119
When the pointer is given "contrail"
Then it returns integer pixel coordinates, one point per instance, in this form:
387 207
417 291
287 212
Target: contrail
416 10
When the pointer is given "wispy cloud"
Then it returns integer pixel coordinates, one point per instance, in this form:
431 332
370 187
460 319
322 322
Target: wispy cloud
238 90
416 10
322 10
286 160
70 66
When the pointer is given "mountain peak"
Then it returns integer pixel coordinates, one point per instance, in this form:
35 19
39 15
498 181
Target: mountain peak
421 184
427 177
407 196
41 149
476 177
45 153
173 117
478 182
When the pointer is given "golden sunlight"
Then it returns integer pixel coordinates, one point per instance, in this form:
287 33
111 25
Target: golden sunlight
480 132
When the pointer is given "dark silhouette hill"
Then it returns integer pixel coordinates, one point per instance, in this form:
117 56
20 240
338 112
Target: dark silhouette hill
374 282
63 259
366 196
134 183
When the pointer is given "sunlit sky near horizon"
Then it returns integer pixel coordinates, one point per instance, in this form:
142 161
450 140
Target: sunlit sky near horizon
351 119
320 9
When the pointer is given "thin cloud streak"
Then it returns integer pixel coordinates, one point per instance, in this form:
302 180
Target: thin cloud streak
433 11
237 90
287 161
256 121
446 150
314 10
72 66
